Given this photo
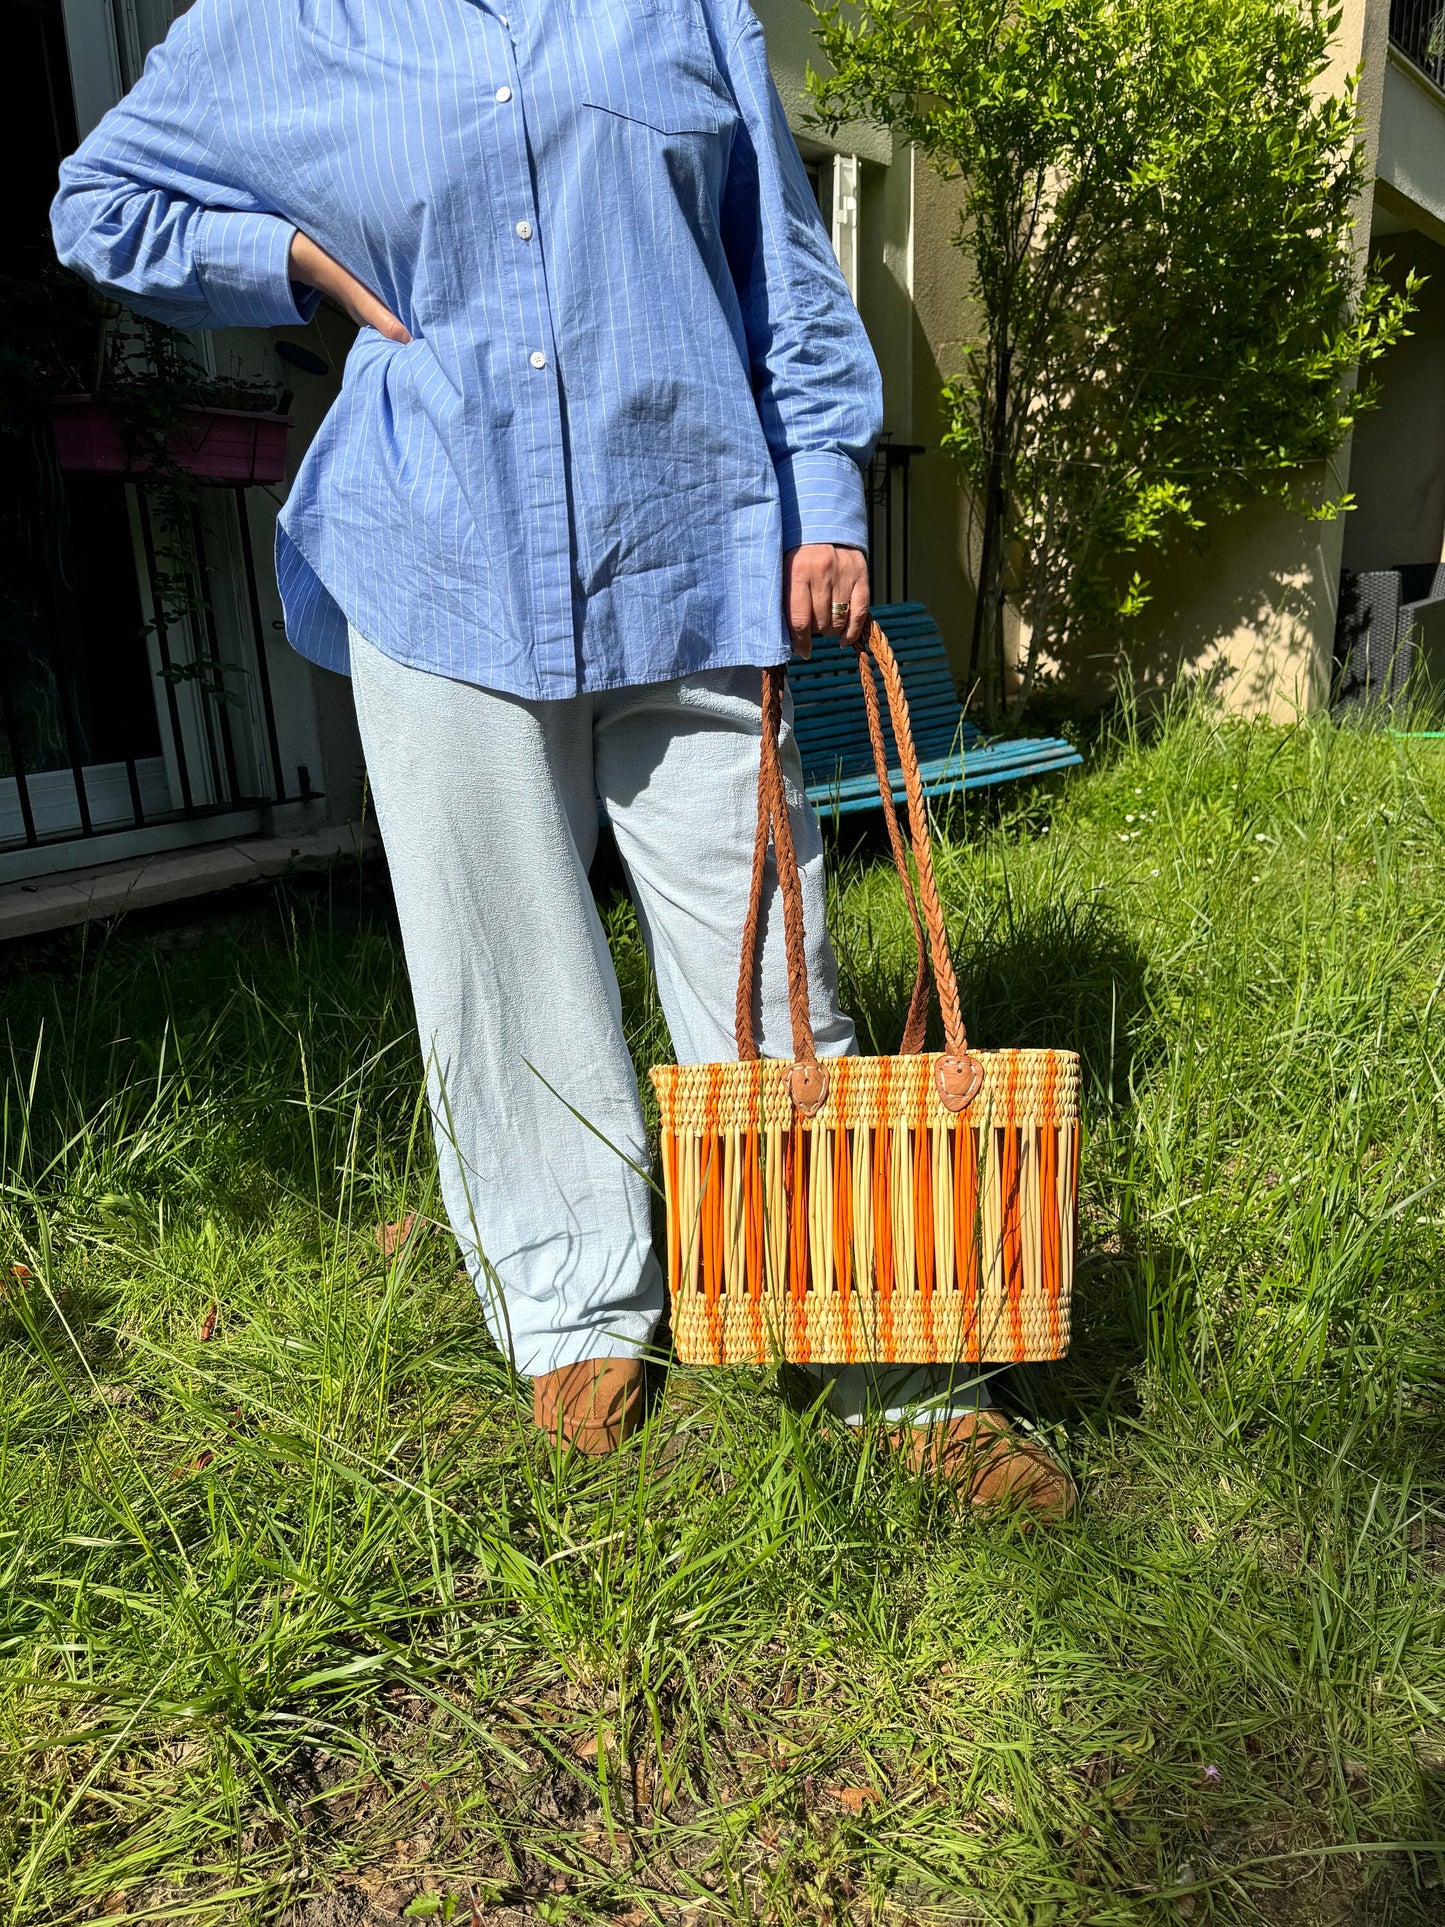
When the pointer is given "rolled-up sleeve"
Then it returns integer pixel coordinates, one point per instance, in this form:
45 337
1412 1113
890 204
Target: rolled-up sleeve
815 376
148 212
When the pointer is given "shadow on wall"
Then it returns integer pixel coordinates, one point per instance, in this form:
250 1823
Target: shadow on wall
939 572
943 318
1244 609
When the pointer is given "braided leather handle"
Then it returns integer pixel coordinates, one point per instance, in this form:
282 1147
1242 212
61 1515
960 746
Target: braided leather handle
958 1075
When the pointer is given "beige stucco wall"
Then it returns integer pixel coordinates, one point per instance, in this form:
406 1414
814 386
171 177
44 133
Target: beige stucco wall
1245 609
1248 606
942 322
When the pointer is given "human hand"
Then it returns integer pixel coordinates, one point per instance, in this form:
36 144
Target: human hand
313 267
815 578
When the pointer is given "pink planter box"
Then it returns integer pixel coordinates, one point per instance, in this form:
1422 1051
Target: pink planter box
213 444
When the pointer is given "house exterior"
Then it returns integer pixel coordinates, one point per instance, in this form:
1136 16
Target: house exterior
146 753
1252 608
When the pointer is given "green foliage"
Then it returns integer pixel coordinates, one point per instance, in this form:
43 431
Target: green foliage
300 1622
1158 206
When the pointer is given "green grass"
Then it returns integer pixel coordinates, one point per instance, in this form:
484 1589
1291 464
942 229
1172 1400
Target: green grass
299 1620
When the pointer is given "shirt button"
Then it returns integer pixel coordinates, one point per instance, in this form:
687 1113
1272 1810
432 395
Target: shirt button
504 94
538 359
524 230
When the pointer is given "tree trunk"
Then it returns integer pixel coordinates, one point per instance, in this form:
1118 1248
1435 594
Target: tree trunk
1016 708
986 644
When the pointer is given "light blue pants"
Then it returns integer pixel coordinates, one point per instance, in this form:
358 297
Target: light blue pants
487 805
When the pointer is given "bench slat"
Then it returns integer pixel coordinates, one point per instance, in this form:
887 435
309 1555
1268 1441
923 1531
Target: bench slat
1036 757
832 729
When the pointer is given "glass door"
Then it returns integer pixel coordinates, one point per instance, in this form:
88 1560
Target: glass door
80 738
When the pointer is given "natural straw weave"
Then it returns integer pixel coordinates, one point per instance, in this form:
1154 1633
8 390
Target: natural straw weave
919 1207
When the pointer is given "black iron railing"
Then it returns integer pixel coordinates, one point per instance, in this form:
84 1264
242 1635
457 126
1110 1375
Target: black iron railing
887 483
66 771
1417 29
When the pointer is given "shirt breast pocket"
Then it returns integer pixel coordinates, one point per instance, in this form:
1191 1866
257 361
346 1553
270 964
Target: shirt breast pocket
651 61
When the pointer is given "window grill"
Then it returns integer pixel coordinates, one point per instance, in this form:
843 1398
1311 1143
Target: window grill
887 485
1417 29
101 732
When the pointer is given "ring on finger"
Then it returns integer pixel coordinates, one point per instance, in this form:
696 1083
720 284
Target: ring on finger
838 611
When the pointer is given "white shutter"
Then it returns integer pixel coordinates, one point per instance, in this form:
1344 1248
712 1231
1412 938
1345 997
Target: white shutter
845 217
95 71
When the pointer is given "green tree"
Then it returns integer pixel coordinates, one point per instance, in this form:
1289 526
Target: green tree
1158 202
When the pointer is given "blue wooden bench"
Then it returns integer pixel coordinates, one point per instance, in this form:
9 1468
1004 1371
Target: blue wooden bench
832 726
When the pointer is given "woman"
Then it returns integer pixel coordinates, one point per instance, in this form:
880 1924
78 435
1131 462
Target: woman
597 459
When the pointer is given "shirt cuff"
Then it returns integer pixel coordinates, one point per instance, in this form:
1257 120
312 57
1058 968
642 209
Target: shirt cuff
243 262
821 495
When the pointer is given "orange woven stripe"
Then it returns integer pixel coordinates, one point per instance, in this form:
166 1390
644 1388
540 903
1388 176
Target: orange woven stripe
965 1231
1011 1226
923 1231
710 1196
796 1183
752 1279
753 1222
1013 1208
926 1213
843 1235
710 1234
712 1202
1049 1256
710 1212
1048 1162
883 1254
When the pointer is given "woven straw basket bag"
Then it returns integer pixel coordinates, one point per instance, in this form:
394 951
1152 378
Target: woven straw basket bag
918 1207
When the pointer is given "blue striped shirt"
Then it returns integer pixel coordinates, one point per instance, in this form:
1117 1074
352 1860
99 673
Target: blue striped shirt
636 375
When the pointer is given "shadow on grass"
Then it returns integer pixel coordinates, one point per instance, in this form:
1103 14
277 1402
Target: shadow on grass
1067 975
1062 976
1063 973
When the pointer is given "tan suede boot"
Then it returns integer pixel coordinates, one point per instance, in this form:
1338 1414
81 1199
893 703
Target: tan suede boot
993 1467
593 1406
